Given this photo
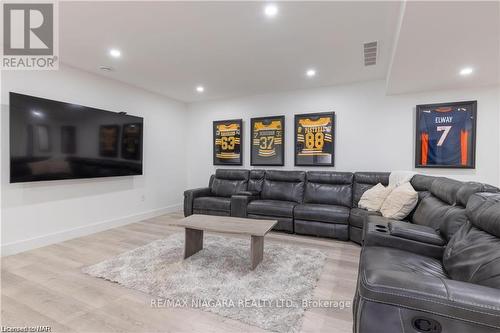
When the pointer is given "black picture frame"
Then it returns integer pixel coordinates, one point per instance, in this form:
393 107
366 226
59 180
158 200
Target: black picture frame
278 149
468 139
237 151
132 141
314 160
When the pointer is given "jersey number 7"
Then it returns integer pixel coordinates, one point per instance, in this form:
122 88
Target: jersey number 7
446 131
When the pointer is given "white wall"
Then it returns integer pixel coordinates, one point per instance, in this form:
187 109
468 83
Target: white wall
375 132
35 214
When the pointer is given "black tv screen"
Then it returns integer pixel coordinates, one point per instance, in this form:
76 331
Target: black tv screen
51 140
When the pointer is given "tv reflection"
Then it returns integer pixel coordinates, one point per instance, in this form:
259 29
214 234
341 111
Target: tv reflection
53 140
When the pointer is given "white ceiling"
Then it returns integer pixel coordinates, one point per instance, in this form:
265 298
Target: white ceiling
232 49
437 39
229 47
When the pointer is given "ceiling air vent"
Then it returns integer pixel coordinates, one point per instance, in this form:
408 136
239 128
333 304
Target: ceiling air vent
370 52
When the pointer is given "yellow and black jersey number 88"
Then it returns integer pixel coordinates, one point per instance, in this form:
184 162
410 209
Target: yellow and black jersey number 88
314 140
228 142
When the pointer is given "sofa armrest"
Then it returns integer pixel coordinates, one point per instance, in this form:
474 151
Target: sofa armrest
431 294
239 204
190 195
416 232
377 232
248 193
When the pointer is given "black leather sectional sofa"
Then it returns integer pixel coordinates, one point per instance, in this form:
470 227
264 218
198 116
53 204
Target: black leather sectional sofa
437 271
311 203
323 203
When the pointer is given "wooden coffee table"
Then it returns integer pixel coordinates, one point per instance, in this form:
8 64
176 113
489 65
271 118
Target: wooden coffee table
196 224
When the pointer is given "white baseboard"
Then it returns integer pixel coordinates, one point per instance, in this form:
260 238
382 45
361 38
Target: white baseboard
33 243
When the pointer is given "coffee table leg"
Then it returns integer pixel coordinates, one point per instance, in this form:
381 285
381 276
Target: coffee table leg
257 250
193 242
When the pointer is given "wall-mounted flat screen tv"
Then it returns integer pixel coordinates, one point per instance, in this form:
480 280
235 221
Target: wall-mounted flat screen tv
51 140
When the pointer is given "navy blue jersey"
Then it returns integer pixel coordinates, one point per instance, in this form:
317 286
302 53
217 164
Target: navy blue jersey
444 133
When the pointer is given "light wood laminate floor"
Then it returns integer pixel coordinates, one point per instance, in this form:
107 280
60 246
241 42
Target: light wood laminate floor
45 287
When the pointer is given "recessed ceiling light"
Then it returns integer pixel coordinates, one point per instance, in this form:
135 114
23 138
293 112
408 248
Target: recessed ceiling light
466 71
115 53
200 89
311 73
271 10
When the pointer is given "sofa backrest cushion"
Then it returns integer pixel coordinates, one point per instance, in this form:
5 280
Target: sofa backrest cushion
470 188
422 182
366 180
283 185
256 180
454 218
433 212
330 188
483 210
228 182
446 189
473 254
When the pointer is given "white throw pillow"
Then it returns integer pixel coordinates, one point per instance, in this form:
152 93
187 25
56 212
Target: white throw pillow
397 178
373 198
400 202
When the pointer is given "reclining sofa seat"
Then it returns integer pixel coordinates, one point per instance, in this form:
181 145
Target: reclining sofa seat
436 219
417 293
281 192
363 181
327 204
216 199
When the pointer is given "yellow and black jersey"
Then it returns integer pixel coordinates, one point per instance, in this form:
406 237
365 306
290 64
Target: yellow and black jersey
227 142
314 140
267 138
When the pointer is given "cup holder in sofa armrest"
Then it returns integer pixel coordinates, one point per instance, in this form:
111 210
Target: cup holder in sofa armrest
384 230
381 226
416 232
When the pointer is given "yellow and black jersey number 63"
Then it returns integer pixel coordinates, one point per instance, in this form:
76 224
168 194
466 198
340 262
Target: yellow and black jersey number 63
228 142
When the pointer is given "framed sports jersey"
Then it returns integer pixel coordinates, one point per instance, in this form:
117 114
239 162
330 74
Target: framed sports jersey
267 141
314 139
227 142
446 135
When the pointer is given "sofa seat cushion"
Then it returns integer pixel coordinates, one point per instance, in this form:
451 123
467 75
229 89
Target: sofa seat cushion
212 203
358 215
271 208
322 213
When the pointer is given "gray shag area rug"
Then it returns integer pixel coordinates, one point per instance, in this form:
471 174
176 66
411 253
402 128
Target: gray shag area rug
219 279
